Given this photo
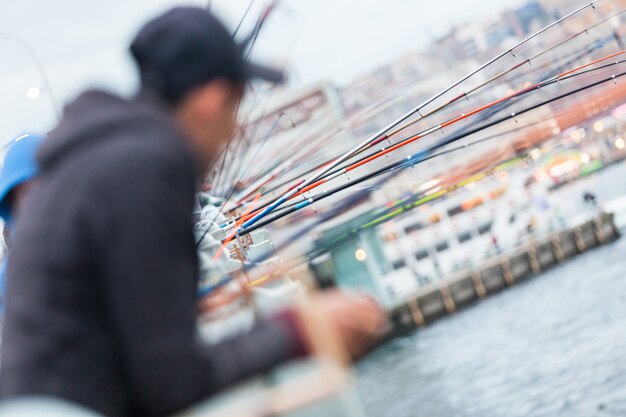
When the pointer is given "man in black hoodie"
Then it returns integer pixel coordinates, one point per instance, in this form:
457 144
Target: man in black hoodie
101 307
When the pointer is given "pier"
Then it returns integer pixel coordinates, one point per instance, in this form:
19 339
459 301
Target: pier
500 272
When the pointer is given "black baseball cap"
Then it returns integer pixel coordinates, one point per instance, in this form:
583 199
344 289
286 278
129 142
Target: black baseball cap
188 46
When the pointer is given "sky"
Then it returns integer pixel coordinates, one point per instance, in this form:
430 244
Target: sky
82 44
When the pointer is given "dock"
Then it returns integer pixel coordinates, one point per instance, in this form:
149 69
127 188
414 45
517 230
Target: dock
495 274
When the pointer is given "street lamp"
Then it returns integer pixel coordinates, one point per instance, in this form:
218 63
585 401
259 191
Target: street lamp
34 92
360 255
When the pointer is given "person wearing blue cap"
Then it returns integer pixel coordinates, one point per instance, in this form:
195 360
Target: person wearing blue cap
16 178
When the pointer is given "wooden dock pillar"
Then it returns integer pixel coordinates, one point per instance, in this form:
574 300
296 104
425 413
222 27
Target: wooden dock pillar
479 287
598 230
532 258
557 248
506 271
416 313
447 299
578 238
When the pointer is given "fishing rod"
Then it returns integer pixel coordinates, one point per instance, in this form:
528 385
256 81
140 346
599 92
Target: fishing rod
233 161
408 204
399 208
243 18
235 168
596 45
246 44
260 147
404 207
274 163
242 180
583 66
228 182
203 236
249 42
572 93
557 72
284 163
318 197
232 190
252 189
294 150
356 181
508 98
538 86
305 154
215 172
591 48
349 202
282 199
244 142
412 160
528 61
343 206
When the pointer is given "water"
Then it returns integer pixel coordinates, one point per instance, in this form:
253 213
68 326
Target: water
607 184
552 346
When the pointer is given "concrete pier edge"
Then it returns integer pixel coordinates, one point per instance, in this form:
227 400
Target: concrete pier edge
497 273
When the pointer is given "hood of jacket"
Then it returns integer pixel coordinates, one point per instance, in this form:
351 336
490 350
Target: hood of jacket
97 115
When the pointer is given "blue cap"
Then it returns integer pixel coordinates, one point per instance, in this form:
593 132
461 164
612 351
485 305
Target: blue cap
20 165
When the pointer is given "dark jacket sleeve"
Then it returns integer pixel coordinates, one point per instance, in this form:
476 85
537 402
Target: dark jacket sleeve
141 218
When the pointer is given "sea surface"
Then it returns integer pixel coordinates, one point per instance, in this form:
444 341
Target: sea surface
552 346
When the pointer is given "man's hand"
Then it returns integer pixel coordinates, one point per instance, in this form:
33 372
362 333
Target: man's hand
358 319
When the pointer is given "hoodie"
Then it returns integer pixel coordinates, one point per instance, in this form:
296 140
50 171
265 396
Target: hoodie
101 284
